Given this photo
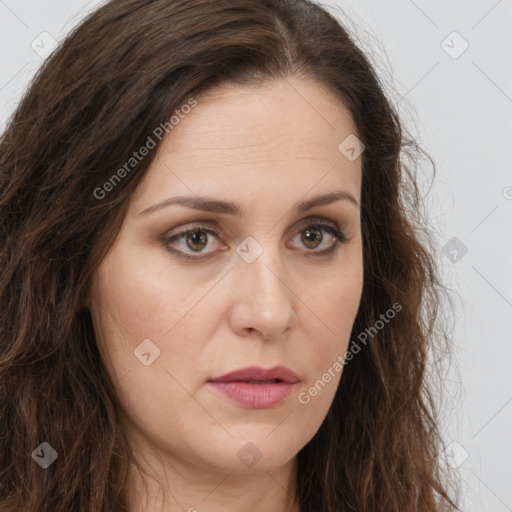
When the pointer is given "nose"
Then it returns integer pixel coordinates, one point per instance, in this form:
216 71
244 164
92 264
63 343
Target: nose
263 301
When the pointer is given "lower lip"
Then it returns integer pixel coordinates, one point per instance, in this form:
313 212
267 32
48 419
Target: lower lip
254 396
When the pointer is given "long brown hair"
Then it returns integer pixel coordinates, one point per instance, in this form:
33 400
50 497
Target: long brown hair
120 74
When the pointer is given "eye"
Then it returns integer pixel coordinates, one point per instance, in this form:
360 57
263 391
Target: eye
312 237
197 239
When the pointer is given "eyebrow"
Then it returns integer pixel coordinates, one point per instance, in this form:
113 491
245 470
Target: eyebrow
212 205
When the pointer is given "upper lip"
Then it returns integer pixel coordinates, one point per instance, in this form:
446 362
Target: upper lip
259 374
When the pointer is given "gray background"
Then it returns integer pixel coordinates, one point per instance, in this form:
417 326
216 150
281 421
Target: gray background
458 104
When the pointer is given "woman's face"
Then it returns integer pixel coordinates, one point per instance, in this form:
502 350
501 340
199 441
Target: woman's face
261 283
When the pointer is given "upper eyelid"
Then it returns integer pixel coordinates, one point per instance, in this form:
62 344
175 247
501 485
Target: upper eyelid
215 225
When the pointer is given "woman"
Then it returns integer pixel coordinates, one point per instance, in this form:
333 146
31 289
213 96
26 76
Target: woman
214 295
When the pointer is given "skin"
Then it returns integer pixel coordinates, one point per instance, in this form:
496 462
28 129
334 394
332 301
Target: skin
266 148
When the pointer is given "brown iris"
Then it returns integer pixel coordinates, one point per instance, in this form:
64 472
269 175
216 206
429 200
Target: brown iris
309 235
197 238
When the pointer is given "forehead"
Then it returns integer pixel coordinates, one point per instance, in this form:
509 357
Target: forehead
287 115
286 134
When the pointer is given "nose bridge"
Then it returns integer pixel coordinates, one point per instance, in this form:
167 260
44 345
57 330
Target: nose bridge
263 299
262 267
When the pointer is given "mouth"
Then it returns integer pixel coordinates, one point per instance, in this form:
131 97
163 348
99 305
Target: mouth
273 381
255 374
256 388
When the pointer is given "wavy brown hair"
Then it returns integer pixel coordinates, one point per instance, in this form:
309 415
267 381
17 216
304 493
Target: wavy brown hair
122 72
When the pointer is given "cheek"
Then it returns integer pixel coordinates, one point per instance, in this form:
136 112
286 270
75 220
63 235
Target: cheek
335 304
139 297
330 325
140 309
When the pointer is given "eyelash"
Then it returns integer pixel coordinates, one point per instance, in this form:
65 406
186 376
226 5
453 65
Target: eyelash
339 238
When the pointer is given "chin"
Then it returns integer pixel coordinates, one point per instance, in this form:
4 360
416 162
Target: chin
256 453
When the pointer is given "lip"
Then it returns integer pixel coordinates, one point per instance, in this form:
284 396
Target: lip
253 395
259 374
